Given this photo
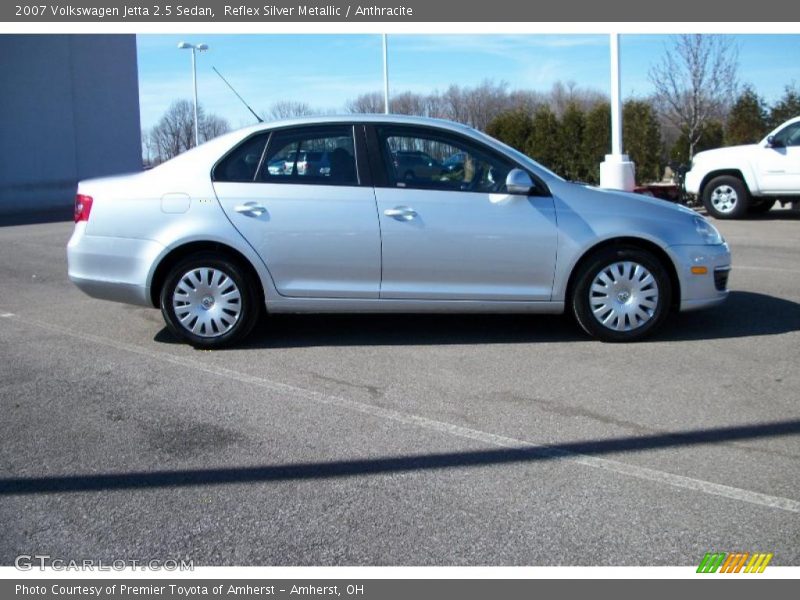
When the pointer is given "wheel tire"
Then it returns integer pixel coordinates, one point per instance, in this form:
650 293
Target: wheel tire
205 311
726 197
623 291
761 207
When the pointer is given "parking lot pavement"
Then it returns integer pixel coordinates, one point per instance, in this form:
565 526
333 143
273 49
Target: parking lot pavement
400 440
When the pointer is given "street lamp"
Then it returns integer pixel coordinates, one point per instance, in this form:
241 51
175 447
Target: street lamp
193 48
385 75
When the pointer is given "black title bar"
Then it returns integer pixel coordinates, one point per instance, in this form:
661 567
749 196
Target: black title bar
463 11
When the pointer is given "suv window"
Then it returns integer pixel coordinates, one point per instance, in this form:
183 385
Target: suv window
789 135
318 155
437 160
242 162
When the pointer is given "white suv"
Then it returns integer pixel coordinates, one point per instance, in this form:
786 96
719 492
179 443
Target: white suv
732 181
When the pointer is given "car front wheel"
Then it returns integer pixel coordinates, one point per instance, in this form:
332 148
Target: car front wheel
621 295
209 301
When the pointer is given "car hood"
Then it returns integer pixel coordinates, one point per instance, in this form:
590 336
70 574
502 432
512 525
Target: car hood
604 214
723 153
596 198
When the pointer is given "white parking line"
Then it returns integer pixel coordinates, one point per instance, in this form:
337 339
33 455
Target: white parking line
613 466
6 315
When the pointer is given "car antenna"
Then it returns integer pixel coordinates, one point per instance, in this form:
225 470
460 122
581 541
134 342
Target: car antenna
260 120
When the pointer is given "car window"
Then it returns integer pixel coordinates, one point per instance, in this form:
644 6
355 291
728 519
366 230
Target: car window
789 135
319 155
427 159
241 163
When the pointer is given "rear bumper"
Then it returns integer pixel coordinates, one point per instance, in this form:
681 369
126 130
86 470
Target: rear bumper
706 289
112 268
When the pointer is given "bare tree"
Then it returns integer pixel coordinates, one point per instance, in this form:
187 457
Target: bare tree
478 106
454 104
174 132
695 83
409 103
371 102
212 126
564 96
286 109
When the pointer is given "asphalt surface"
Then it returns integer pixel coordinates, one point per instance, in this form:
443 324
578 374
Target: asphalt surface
400 440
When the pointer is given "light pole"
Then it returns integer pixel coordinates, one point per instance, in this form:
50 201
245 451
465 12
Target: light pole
617 171
385 75
193 48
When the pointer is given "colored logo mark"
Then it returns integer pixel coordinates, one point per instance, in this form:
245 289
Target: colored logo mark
734 562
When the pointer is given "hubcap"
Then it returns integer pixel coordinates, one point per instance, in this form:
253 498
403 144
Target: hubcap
623 296
724 198
207 302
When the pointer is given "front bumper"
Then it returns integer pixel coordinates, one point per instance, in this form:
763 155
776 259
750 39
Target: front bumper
692 181
112 268
702 289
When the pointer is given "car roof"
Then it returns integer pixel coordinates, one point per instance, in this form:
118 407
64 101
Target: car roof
359 118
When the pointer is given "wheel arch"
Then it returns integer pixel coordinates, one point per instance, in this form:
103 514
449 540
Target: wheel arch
179 252
738 173
628 242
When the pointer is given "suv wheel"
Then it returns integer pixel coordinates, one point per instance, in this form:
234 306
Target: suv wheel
726 197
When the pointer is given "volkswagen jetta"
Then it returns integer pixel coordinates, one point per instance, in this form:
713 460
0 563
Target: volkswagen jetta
215 236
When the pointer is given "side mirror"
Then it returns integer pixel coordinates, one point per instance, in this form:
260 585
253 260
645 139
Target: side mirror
772 142
518 182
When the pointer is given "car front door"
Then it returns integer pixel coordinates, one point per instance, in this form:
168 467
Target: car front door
455 234
313 223
779 162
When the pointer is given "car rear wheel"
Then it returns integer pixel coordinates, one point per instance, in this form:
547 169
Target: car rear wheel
621 295
209 301
726 197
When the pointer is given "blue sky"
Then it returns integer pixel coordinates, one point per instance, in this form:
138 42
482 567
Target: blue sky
327 70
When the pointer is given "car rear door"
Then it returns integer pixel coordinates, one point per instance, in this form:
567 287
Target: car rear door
456 235
317 232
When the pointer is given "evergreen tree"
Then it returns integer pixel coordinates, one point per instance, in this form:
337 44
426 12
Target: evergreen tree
513 127
641 139
747 120
712 136
597 139
571 142
786 108
543 143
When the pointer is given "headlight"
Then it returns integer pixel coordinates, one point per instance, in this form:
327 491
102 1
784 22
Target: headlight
708 232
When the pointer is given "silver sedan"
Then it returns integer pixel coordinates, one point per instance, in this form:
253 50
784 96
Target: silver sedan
215 236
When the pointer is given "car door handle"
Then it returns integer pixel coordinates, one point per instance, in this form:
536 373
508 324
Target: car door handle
401 213
251 209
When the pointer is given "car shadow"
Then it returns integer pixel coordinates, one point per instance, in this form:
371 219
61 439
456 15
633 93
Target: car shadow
743 314
776 215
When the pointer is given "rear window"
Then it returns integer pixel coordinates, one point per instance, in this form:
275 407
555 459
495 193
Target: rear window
241 164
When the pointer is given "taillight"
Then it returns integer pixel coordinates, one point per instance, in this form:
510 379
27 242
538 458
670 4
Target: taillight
83 206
